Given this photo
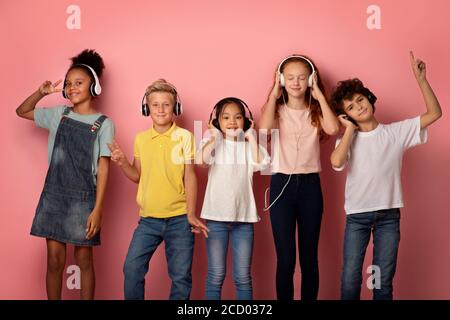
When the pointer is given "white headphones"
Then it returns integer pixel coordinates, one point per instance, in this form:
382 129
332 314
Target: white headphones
95 87
311 76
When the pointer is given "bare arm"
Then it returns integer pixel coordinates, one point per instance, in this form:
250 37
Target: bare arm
328 121
131 170
434 111
190 186
266 122
340 153
26 109
95 218
250 135
203 157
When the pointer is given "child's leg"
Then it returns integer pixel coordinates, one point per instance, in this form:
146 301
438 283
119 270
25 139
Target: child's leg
56 260
357 235
283 217
242 251
216 246
386 238
146 238
179 242
309 219
85 261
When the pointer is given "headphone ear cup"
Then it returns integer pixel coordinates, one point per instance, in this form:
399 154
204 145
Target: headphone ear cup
178 109
247 124
92 90
145 110
282 82
310 80
64 92
215 123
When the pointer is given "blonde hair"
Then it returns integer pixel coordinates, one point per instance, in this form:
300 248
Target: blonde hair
161 85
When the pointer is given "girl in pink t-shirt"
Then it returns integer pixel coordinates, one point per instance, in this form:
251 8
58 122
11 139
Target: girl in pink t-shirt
298 117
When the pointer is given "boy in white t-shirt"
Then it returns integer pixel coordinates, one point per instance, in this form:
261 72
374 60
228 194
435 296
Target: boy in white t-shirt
373 153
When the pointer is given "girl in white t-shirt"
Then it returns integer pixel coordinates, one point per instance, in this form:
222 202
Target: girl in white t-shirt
373 153
232 155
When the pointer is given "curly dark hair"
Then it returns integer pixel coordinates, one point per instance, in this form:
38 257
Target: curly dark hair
91 58
345 90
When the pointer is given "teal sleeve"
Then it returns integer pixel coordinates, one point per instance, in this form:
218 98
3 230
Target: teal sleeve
47 117
106 135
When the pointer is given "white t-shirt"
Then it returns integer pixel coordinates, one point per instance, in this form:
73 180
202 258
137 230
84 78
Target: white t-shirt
375 163
229 192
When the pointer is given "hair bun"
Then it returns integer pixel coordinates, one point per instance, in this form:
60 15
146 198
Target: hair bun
91 58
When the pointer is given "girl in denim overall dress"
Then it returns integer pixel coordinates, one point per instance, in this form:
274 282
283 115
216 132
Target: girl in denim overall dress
69 209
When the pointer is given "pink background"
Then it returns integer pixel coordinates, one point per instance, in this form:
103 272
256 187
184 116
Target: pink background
209 50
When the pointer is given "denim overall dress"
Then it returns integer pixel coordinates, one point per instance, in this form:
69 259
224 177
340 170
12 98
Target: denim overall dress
69 192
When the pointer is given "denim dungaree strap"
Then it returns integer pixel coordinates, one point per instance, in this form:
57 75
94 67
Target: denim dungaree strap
69 191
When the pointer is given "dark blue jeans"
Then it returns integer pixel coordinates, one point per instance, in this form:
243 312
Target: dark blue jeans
385 225
179 243
299 207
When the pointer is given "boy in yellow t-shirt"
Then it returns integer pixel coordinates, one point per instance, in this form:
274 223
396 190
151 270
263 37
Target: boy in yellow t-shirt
163 167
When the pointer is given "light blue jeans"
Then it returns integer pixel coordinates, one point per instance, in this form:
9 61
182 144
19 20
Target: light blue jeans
241 235
179 242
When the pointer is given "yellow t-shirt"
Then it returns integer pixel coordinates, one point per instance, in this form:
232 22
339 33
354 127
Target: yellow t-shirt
161 191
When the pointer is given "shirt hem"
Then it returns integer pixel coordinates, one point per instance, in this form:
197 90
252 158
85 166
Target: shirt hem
356 211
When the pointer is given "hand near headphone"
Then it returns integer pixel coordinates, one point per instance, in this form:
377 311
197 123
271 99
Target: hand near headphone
47 87
213 131
418 66
117 154
276 90
250 133
346 123
315 90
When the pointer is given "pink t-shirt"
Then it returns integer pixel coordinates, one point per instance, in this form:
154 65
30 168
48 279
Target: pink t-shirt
296 147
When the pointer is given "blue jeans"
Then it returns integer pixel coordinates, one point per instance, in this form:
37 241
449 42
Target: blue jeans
241 235
179 243
385 225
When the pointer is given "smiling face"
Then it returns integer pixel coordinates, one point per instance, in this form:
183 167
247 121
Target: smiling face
358 108
296 75
77 86
231 119
161 107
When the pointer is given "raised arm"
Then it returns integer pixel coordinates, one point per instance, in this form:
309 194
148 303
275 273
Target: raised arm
26 109
203 157
434 111
328 121
340 153
266 122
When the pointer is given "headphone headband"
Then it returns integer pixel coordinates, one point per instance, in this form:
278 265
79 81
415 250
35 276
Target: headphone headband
310 78
231 99
299 57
